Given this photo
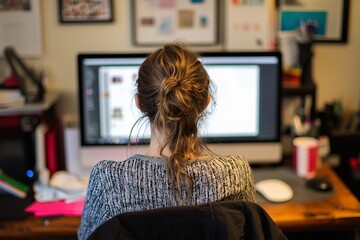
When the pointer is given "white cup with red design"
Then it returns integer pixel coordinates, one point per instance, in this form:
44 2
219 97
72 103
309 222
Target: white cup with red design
305 156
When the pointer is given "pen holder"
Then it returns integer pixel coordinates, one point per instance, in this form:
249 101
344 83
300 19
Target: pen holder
305 60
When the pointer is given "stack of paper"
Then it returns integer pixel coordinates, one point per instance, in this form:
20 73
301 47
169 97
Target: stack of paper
10 98
63 208
63 195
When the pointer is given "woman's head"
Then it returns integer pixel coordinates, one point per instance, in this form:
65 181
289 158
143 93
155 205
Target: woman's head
170 79
173 92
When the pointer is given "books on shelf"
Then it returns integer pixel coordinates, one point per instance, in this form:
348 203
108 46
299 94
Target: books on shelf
291 77
10 98
12 186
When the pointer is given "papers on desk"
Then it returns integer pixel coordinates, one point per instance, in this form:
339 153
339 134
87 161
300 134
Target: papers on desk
50 201
61 186
63 195
63 208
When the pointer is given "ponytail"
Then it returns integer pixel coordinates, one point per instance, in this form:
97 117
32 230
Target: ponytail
174 89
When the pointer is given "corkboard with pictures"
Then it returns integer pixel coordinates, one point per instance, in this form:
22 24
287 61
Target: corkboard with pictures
20 27
160 21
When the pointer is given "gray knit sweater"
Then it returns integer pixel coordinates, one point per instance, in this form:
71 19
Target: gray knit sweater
141 183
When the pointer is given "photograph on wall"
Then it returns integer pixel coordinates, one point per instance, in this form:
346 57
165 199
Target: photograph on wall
243 31
15 5
85 11
160 21
328 19
20 27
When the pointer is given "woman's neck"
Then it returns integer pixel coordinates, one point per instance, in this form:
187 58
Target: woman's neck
156 143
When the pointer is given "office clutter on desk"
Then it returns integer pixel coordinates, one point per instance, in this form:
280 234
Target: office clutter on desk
305 156
305 39
345 145
274 190
319 184
296 48
61 186
342 126
63 208
11 98
291 77
304 123
305 127
335 118
63 194
12 186
301 193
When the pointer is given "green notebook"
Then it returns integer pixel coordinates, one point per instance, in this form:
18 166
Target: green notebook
12 186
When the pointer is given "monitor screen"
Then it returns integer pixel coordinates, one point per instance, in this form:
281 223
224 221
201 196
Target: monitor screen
245 118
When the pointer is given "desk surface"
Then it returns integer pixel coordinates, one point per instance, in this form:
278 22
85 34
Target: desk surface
339 212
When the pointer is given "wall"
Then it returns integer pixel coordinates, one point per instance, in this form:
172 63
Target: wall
336 66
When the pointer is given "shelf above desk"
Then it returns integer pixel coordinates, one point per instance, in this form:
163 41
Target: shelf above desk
299 91
32 108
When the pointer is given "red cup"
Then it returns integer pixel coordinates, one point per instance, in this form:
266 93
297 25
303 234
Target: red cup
305 156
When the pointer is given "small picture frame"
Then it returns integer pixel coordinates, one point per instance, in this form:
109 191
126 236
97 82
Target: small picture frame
85 11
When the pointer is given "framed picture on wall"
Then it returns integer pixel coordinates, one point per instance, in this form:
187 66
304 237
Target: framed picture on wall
330 18
85 11
160 21
20 27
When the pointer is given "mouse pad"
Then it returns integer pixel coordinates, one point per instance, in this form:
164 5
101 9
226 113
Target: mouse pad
301 192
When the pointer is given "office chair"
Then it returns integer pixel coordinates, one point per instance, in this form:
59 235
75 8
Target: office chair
217 220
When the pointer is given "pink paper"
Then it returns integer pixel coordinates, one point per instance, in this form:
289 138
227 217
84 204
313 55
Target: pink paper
43 209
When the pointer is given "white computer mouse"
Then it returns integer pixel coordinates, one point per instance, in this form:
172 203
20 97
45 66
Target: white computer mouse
274 190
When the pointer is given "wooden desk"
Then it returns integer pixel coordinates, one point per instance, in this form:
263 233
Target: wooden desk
40 228
334 213
339 212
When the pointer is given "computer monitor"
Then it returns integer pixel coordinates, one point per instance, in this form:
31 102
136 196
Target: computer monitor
245 119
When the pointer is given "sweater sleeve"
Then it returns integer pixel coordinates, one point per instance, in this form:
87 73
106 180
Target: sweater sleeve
247 192
95 203
249 187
